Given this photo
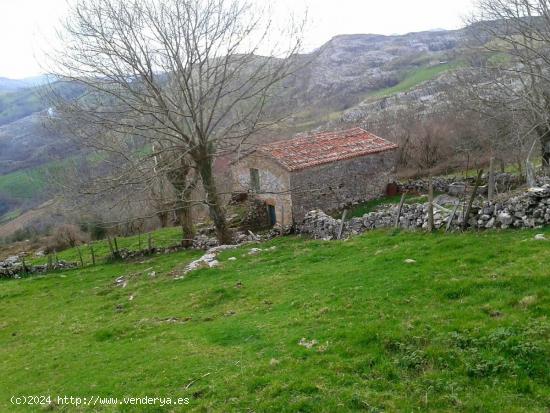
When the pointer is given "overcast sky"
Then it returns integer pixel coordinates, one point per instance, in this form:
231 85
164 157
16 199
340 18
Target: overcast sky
27 27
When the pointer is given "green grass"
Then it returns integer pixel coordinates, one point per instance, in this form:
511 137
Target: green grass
465 328
10 215
29 184
413 79
23 185
362 209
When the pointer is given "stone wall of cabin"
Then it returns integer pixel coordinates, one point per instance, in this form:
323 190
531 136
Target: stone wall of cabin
274 184
333 186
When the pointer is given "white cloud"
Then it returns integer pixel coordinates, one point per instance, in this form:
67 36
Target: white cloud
27 29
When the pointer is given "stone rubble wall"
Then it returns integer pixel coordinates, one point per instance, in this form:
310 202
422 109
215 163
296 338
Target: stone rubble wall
528 210
13 267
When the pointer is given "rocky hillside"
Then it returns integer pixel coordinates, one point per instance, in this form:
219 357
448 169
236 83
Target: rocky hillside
351 69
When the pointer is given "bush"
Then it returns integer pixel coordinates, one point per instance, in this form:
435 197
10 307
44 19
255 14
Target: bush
66 236
94 229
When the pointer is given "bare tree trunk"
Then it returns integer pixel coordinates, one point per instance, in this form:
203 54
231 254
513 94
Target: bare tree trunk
185 217
163 218
215 209
544 138
519 162
184 184
546 160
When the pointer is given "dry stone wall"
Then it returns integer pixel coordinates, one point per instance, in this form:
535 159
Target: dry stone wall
13 267
528 210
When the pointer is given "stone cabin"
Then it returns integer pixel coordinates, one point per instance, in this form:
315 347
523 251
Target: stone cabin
325 170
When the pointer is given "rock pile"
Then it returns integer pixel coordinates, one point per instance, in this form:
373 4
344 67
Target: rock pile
528 210
319 225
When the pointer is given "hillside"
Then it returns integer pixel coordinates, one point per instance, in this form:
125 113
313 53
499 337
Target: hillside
308 326
352 68
12 85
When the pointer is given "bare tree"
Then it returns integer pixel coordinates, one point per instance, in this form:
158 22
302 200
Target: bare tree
513 68
185 76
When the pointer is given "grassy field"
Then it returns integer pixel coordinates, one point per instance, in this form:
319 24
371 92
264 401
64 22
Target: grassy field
362 209
23 185
464 328
413 79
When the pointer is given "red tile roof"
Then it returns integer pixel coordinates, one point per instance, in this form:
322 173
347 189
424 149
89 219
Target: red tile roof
305 152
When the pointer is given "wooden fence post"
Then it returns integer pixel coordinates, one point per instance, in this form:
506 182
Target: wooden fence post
25 270
491 180
342 224
92 254
111 246
116 246
396 224
472 197
451 217
430 205
80 256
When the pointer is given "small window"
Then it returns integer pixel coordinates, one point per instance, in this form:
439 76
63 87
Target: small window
254 180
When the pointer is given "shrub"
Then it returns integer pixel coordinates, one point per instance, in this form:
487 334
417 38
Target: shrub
66 236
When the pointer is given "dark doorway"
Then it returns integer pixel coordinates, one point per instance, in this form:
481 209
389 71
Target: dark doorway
271 214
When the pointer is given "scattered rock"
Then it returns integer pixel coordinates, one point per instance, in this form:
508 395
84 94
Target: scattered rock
528 301
254 251
308 344
121 282
410 261
540 237
232 259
